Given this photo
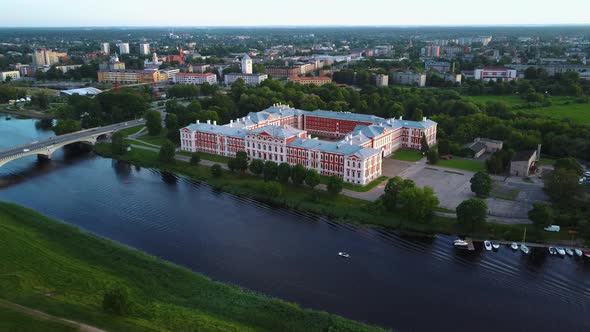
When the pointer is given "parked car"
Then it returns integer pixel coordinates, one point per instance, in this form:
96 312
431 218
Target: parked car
446 157
553 228
26 150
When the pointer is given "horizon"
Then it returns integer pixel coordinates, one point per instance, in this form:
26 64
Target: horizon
267 13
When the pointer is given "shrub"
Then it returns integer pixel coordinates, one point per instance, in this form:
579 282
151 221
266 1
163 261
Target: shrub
116 301
216 170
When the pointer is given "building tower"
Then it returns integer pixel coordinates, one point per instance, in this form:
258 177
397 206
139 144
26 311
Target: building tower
123 48
105 48
144 49
246 64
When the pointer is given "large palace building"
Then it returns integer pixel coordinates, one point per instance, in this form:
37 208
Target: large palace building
353 149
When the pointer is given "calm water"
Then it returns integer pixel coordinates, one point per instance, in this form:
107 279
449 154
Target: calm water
405 284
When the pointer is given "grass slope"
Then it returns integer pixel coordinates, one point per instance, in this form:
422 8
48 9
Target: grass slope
16 321
40 255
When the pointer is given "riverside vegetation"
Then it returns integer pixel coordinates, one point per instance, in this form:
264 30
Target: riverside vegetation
60 270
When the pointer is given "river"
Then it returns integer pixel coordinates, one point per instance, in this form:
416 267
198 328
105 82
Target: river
395 282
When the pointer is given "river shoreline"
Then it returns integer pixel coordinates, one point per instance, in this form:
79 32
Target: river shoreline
27 114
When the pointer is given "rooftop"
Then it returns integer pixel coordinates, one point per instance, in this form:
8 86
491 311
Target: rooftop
344 148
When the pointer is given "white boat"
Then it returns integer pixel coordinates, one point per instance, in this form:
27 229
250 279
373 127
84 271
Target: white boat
523 246
569 252
343 254
462 244
495 245
488 245
560 251
514 246
578 252
552 251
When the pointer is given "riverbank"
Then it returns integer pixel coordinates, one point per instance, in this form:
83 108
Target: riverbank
27 113
340 207
62 271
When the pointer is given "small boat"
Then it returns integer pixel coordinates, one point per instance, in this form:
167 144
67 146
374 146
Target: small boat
523 246
461 244
495 245
569 252
343 254
578 252
514 246
586 253
488 245
8 118
552 251
560 251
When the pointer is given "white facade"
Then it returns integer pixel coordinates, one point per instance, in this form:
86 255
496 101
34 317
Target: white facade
381 80
495 74
105 48
194 78
13 74
144 49
246 64
123 48
249 79
409 78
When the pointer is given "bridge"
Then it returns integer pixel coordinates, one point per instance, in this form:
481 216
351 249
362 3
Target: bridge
45 148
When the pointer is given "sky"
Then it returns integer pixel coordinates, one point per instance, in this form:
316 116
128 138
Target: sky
61 13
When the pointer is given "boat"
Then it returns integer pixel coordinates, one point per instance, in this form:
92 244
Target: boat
514 246
343 254
569 252
560 251
586 253
488 245
8 118
523 246
495 245
460 244
552 251
578 252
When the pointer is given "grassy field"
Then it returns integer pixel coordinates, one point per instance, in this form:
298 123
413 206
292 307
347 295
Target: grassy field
463 164
156 140
41 256
407 155
131 130
207 156
15 321
561 107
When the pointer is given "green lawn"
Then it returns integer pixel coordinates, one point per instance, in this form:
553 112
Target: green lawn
324 180
407 155
131 130
463 164
40 255
546 161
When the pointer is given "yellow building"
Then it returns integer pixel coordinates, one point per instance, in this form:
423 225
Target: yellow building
310 80
131 76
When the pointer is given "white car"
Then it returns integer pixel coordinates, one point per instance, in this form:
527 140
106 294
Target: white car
26 150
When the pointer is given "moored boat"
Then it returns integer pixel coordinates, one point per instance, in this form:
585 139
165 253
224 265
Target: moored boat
514 246
460 244
495 245
488 245
552 251
578 252
560 251
586 253
569 252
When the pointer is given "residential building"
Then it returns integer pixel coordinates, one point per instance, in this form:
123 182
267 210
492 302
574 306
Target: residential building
249 79
170 73
131 76
123 48
495 74
431 51
198 68
195 78
24 70
439 66
490 144
112 64
453 78
154 64
409 78
282 71
13 74
310 80
281 134
66 68
105 48
246 64
44 58
381 80
144 49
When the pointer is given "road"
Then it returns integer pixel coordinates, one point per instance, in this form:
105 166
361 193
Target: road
9 152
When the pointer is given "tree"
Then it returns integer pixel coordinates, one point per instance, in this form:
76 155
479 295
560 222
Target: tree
472 211
424 148
335 184
541 214
392 190
116 301
270 170
66 126
195 158
569 164
216 170
417 203
232 164
562 186
298 174
256 166
118 145
153 122
242 161
481 184
284 172
167 152
312 179
172 128
432 156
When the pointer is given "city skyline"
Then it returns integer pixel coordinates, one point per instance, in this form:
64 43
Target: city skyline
264 13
